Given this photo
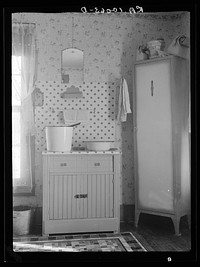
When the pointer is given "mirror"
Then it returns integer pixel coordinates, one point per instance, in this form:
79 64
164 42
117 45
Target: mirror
72 65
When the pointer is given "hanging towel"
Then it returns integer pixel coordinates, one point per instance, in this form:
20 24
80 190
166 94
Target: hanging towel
124 102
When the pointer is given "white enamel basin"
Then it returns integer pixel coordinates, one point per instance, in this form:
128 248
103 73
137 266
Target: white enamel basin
98 145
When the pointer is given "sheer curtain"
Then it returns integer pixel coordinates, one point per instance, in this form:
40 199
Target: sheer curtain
24 51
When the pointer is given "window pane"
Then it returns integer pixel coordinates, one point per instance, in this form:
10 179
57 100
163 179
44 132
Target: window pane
16 102
16 80
16 162
16 128
16 65
16 143
16 95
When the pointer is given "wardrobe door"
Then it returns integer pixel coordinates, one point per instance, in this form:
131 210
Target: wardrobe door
154 136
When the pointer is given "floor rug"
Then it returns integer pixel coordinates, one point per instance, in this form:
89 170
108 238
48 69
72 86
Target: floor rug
102 242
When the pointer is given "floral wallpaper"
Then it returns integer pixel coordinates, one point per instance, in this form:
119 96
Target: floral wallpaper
109 42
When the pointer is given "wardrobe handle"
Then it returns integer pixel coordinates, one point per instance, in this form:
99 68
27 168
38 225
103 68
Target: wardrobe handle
81 196
152 88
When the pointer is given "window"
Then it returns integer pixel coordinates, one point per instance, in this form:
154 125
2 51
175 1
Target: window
21 184
16 114
23 79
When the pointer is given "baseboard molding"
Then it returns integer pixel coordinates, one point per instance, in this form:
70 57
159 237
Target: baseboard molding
37 220
126 215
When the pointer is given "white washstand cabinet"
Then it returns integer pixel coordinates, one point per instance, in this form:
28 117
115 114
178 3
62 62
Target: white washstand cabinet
161 138
80 192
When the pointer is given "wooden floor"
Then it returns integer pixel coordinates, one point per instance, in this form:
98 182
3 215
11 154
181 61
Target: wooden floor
156 233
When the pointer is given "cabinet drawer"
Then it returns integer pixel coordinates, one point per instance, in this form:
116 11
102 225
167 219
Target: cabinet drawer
99 163
62 164
81 164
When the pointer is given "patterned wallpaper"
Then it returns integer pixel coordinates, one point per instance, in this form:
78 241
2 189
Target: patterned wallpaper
109 42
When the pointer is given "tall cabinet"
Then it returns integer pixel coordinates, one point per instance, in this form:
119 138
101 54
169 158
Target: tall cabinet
161 138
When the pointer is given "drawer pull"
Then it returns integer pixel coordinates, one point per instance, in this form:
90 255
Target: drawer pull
63 164
152 88
81 196
97 164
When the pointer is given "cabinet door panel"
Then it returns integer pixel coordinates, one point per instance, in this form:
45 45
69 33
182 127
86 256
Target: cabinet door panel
60 197
154 135
70 198
103 196
51 197
65 201
110 203
83 201
93 196
100 201
55 199
74 199
81 196
62 204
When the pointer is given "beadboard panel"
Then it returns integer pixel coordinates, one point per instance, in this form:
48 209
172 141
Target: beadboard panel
80 196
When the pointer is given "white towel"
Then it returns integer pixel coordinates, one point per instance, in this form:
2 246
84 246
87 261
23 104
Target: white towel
124 102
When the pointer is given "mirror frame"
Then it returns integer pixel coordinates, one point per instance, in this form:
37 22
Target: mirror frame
71 69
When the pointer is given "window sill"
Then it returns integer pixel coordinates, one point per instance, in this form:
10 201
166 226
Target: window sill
23 191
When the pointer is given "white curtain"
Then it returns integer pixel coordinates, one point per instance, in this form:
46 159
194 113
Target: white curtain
23 46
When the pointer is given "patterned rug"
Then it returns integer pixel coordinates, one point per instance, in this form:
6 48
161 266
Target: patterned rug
102 242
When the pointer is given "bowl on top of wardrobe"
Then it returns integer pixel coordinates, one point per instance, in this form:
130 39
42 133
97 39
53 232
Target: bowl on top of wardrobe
155 46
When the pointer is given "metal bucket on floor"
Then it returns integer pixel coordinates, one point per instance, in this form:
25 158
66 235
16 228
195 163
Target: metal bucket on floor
21 220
